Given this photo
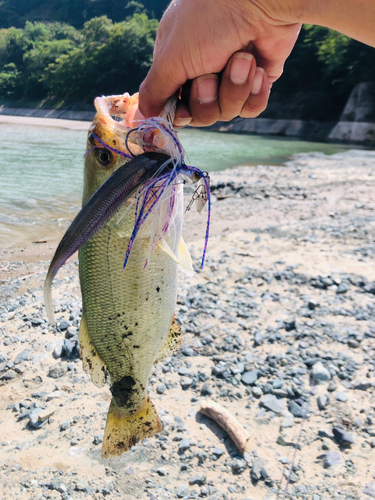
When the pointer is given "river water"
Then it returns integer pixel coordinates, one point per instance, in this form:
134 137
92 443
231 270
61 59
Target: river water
41 172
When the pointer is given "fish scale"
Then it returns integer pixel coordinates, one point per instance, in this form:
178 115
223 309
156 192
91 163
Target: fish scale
115 298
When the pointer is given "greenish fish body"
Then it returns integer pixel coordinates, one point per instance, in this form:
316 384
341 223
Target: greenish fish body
127 320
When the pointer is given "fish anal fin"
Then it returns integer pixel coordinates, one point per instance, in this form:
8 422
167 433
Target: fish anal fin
122 431
172 342
184 258
92 362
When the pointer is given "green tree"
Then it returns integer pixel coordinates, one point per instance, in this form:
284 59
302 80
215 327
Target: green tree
113 58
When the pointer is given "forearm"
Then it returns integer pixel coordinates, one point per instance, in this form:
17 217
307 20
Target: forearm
354 18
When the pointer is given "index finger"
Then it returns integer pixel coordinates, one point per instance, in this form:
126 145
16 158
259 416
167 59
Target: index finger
156 89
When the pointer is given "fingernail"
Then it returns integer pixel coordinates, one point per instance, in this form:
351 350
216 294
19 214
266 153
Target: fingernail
240 68
258 81
207 89
182 122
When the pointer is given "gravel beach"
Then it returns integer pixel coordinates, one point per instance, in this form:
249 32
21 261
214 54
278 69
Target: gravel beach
279 329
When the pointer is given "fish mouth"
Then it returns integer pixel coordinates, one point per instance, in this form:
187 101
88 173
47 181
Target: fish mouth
113 121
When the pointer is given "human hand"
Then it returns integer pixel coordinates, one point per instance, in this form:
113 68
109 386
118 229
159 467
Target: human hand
198 39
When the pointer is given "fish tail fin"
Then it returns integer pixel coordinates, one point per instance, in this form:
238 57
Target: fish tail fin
48 298
122 431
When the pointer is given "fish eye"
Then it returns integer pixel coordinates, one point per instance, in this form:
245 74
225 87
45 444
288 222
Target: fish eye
104 157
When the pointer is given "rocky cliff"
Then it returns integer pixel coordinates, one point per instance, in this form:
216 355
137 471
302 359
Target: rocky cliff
312 117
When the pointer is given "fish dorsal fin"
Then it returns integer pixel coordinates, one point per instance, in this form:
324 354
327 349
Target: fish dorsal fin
92 362
183 258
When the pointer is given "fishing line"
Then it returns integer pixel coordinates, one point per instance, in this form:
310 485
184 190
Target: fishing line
114 150
158 190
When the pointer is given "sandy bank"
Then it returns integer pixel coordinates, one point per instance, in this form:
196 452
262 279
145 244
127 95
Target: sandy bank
45 122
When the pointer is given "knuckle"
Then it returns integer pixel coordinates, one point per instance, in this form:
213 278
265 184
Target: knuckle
227 101
252 111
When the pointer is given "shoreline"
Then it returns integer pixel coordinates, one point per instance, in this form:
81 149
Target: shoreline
45 122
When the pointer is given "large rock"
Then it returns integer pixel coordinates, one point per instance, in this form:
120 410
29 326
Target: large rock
361 104
357 122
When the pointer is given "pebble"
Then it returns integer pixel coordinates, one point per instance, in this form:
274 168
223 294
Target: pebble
187 351
9 375
332 458
271 402
249 378
257 392
162 471
184 445
322 401
343 437
63 325
186 382
22 356
71 331
98 439
288 420
46 413
199 480
218 451
57 371
207 390
341 396
297 410
320 374
332 386
239 466
259 470
369 490
81 486
182 490
161 389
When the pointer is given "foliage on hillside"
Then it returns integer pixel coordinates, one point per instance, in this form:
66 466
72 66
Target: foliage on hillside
75 12
56 59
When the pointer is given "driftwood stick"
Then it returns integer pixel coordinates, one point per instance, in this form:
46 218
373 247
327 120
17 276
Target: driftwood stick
228 422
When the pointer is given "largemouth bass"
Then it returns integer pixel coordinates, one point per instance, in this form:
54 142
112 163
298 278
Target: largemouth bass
128 321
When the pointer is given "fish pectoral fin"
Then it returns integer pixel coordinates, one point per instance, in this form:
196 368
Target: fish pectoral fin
183 257
92 362
122 431
172 342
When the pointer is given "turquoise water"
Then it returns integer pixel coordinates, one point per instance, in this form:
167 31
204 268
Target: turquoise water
41 171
